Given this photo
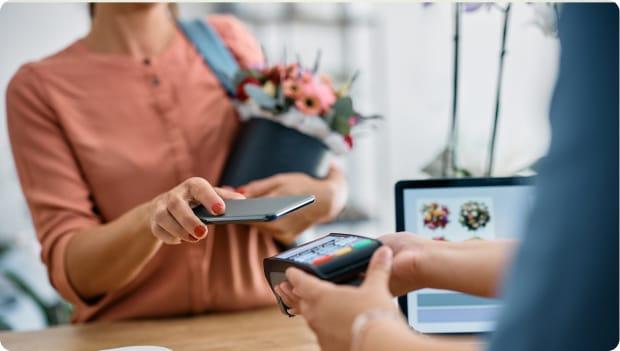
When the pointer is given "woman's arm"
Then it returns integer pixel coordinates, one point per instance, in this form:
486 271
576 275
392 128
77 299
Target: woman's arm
473 267
100 260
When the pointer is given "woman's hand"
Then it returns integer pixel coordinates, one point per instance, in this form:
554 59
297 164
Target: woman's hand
171 218
330 193
331 309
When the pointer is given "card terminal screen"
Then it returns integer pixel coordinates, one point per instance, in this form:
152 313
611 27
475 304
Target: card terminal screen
324 249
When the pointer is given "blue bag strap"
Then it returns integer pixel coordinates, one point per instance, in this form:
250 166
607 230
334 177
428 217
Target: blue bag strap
212 49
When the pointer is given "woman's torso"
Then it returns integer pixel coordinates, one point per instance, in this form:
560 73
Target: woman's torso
138 129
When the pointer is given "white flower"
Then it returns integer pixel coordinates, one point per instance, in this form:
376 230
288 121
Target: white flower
313 126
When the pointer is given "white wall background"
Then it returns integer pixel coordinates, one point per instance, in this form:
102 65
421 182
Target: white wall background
418 58
406 60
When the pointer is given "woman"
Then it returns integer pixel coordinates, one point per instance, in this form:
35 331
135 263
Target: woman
114 139
562 291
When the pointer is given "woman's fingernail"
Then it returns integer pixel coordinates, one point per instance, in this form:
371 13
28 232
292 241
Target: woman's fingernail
240 190
200 231
217 208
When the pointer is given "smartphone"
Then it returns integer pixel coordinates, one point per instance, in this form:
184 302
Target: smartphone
262 209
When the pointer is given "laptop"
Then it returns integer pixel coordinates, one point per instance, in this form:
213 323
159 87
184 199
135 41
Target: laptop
457 210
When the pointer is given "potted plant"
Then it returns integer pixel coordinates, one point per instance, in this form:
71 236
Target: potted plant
293 118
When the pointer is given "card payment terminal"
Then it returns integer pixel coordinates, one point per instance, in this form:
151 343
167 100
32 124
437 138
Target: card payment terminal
339 258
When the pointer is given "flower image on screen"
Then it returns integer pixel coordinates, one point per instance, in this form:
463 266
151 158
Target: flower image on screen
474 215
435 215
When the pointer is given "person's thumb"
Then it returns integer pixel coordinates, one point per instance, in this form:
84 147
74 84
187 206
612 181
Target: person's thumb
379 268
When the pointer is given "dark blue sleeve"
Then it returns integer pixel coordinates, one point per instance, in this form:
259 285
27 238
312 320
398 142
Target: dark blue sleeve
562 290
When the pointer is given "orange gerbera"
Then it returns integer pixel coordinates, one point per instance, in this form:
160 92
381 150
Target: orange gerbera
308 104
291 88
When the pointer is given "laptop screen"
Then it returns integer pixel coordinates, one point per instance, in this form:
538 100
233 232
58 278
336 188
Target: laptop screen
457 211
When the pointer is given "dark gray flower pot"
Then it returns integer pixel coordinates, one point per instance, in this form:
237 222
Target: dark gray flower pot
264 148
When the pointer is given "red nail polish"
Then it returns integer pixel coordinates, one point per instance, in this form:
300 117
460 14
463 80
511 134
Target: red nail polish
200 231
217 208
240 190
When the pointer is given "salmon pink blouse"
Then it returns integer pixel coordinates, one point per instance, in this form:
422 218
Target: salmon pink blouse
94 135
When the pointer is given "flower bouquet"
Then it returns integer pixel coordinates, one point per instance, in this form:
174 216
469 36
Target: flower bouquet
293 118
435 216
474 215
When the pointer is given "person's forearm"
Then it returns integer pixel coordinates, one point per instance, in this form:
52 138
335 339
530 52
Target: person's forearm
396 336
102 259
475 267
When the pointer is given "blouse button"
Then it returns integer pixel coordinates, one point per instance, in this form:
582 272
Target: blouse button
155 81
147 62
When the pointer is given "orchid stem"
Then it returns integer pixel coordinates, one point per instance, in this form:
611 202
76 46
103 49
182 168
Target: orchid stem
265 57
502 54
353 78
317 62
450 156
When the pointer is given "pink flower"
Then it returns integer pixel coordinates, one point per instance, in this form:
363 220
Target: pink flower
306 77
327 80
308 104
322 91
291 71
291 88
352 120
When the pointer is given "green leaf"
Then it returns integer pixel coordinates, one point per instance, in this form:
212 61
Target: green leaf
243 74
280 96
366 118
263 99
329 117
340 124
239 76
344 107
256 74
462 173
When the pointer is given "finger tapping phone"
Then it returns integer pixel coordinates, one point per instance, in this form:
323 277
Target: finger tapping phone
263 209
338 258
